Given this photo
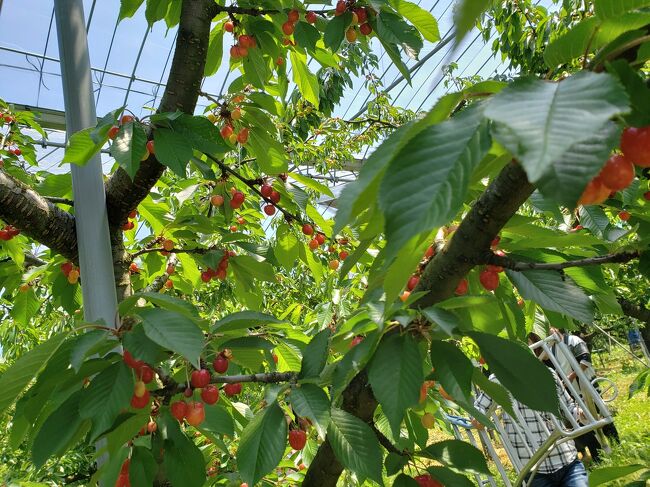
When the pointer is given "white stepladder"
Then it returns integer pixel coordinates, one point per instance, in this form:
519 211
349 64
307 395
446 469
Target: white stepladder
594 416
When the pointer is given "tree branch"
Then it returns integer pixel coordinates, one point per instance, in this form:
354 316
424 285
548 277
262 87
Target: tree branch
36 217
508 263
200 251
181 93
62 201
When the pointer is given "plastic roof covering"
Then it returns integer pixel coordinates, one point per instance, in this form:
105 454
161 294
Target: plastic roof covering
131 63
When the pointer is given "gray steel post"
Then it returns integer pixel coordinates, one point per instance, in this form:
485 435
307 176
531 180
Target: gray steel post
93 238
95 255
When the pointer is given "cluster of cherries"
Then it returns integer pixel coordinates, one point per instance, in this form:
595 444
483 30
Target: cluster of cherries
243 44
618 172
359 17
130 224
415 278
8 232
194 411
145 375
71 272
222 268
230 116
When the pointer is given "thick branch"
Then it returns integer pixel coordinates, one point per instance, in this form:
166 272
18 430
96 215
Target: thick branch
62 201
36 217
181 93
500 201
508 263
198 250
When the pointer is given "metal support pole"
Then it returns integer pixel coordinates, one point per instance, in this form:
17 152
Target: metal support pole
93 238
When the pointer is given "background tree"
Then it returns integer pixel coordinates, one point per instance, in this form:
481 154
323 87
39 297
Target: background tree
498 202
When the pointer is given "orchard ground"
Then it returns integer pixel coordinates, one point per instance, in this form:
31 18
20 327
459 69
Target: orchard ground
631 416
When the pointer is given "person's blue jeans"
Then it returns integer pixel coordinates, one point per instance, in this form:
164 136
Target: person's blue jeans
573 475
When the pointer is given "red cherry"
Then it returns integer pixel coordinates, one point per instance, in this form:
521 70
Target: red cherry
226 131
152 427
217 200
618 173
297 439
206 276
140 402
279 61
311 17
200 378
233 228
412 282
124 469
275 197
266 190
128 225
405 295
494 268
635 144
307 229
146 374
288 28
241 220
320 238
66 267
269 210
341 7
188 392
293 16
130 361
489 279
427 481
595 192
112 132
245 41
5 235
343 255
232 389
210 394
220 364
179 409
170 269
362 15
237 200
313 244
133 268
462 287
229 26
355 341
242 136
169 284
195 413
430 252
365 29
624 215
495 242
126 119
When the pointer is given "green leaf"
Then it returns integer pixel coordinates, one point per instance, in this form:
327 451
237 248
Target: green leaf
218 420
352 363
311 184
403 480
57 430
506 359
426 183
390 28
393 52
457 454
200 133
128 8
84 343
83 145
355 445
335 31
566 178
25 306
172 150
539 121
306 35
311 402
173 331
142 347
27 368
262 444
156 10
466 16
589 35
287 248
183 461
419 17
305 80
143 467
553 291
161 300
452 369
449 477
396 376
215 51
129 147
496 391
109 392
603 475
242 320
315 355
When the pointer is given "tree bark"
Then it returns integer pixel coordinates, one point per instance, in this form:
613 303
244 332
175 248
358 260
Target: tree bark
36 217
501 200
